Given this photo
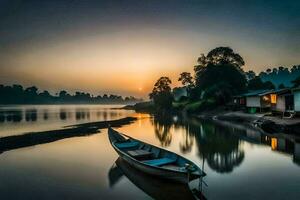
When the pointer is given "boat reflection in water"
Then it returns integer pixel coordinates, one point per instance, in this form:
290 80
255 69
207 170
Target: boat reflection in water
155 187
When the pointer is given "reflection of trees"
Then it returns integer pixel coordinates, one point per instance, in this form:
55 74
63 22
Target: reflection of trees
188 141
31 115
45 115
63 114
2 116
217 144
82 114
219 147
14 115
162 126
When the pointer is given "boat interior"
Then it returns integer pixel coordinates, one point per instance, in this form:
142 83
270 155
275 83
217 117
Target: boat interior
152 155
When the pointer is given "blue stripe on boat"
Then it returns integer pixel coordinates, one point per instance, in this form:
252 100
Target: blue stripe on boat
160 161
126 144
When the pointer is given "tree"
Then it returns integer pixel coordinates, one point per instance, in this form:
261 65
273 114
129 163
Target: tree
161 94
227 74
222 70
63 94
32 90
281 86
258 84
250 75
186 79
225 55
268 71
296 82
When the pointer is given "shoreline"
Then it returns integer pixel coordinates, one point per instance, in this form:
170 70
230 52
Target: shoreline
264 121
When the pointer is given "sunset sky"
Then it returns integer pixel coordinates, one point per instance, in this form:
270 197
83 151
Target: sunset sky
123 47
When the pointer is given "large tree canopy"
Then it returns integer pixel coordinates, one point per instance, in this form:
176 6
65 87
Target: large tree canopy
225 74
225 55
221 66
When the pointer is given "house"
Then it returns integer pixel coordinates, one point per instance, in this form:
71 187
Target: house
283 101
239 100
296 100
258 100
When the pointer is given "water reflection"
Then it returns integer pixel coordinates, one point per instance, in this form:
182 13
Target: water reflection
11 115
162 126
63 114
82 114
45 115
219 144
31 115
14 115
155 187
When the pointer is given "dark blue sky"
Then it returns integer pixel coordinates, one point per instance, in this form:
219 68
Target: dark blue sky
265 33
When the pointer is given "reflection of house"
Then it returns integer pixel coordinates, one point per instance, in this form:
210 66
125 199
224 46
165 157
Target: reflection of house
297 153
179 92
282 145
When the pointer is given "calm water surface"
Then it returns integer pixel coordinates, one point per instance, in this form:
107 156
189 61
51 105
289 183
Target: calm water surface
240 163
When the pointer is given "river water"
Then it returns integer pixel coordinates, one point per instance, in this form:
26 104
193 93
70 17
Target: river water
240 163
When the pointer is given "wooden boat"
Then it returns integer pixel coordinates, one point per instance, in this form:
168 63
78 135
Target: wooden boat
154 160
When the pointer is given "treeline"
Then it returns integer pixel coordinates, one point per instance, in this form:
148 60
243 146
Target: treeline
281 76
16 94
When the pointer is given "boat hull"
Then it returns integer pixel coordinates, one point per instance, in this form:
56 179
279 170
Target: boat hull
170 175
177 176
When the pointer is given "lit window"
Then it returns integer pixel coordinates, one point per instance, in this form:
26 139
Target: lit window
273 98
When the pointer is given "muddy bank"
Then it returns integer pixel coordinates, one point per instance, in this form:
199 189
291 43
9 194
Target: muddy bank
34 138
273 124
265 122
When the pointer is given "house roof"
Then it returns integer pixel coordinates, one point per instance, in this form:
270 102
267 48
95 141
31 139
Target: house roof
264 92
296 89
253 93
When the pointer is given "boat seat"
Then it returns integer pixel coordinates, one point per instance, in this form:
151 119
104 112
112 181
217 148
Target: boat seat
124 145
140 153
159 162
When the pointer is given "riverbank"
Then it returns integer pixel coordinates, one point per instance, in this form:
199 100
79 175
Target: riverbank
264 121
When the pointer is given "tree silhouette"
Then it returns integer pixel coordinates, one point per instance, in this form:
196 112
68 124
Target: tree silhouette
281 86
186 79
220 68
258 84
161 94
281 75
15 94
296 82
225 55
250 75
